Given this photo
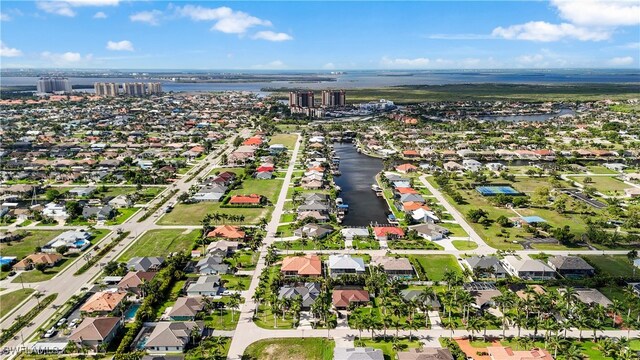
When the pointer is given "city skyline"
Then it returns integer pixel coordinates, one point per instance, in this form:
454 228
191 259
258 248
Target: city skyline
115 34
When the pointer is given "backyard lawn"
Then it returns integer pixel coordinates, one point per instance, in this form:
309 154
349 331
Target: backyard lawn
10 300
288 140
434 266
613 265
162 243
386 345
291 349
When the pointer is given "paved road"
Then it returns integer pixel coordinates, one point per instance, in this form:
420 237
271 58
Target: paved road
66 284
246 327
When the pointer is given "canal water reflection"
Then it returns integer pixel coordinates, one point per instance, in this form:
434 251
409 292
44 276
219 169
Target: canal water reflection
358 174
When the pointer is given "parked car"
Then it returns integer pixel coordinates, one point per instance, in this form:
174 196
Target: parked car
61 322
50 332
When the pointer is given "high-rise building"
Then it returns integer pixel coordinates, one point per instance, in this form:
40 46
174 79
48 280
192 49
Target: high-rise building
53 84
301 99
154 88
333 98
133 89
106 89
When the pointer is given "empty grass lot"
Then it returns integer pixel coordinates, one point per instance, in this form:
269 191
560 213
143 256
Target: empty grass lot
386 345
288 140
28 244
605 184
10 300
192 214
464 245
291 349
268 188
161 243
613 265
434 266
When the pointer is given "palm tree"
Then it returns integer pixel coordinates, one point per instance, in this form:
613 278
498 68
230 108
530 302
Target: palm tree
616 308
474 324
287 245
555 342
450 324
358 323
234 303
573 352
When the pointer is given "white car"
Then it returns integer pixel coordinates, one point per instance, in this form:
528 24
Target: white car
61 322
50 332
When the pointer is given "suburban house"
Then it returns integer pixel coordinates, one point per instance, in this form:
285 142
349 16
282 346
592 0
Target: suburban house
210 193
526 268
317 231
94 331
411 295
212 265
352 233
227 232
384 233
425 353
74 240
134 279
100 213
398 268
103 302
29 262
120 201
307 265
222 246
590 296
148 263
172 336
208 285
342 298
359 353
308 292
406 168
82 191
186 308
571 266
486 267
252 199
345 264
483 294
430 231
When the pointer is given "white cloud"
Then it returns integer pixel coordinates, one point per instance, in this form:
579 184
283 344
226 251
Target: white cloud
530 59
100 15
65 8
274 65
68 58
124 45
272 36
4 17
329 66
404 63
599 13
545 32
6 51
150 17
621 61
460 37
227 20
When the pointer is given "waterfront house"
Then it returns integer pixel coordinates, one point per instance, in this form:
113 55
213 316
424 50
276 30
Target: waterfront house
352 233
406 168
316 231
384 233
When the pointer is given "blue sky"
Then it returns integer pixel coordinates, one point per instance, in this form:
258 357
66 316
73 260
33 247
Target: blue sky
319 35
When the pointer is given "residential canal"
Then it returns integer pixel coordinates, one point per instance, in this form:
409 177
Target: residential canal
358 174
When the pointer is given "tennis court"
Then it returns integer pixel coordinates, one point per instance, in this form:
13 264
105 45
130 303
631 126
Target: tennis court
495 190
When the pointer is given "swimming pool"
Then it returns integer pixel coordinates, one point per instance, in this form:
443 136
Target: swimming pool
131 312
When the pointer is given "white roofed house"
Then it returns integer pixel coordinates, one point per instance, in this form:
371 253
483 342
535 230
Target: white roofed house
528 269
75 240
345 264
172 336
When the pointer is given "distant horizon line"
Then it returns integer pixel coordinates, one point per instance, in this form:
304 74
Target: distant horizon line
316 70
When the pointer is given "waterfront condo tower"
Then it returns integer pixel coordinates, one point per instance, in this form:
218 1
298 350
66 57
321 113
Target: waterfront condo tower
106 89
302 99
333 98
47 85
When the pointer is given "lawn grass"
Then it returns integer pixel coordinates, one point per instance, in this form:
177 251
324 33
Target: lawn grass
192 214
366 244
613 265
288 140
10 300
386 345
306 244
285 218
27 245
221 319
601 170
455 230
267 188
207 350
434 266
609 185
236 282
464 245
123 215
291 349
161 243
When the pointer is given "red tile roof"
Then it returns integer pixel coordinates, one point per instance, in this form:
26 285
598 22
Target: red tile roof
227 232
245 199
342 298
308 265
387 230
